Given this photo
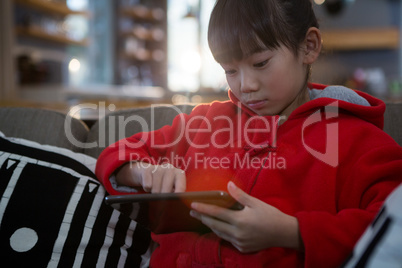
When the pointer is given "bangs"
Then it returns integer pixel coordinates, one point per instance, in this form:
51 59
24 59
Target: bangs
235 32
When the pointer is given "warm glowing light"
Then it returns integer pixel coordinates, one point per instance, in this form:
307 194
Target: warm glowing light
74 65
319 2
190 61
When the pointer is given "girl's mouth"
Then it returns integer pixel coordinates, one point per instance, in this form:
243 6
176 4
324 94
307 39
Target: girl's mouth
256 104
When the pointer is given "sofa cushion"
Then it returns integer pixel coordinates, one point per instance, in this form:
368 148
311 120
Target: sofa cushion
125 123
52 212
43 126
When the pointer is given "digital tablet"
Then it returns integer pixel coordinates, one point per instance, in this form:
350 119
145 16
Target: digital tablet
169 212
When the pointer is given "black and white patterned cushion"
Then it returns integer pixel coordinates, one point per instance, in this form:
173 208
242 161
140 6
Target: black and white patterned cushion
52 212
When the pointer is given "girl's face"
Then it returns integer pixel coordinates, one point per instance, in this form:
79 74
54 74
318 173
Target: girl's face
271 82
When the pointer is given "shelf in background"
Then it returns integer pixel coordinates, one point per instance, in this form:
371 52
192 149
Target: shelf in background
51 94
39 33
361 39
141 55
144 55
145 35
41 53
143 13
49 7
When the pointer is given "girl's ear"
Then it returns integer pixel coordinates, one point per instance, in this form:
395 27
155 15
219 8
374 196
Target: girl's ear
312 45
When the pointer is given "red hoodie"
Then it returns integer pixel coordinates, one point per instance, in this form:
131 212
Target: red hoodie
329 164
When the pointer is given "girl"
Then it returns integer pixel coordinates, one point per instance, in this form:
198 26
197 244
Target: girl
309 163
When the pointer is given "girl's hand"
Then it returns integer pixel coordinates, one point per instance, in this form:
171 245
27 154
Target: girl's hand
256 227
152 178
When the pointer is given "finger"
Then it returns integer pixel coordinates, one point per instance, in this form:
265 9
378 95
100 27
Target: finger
158 174
180 182
224 236
220 228
217 212
242 248
146 181
240 196
168 182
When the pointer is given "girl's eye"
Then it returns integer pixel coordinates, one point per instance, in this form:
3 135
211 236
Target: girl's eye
261 64
229 72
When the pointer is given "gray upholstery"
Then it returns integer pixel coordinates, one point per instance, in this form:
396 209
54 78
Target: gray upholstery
108 129
42 126
393 121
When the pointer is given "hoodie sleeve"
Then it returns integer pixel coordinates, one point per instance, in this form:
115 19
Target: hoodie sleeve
154 147
363 186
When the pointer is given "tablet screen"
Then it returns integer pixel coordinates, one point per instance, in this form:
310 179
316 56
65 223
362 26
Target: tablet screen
169 212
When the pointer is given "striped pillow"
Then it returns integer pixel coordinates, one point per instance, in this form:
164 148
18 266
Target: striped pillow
52 212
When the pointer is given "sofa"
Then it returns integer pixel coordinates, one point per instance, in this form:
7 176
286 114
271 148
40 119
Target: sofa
52 211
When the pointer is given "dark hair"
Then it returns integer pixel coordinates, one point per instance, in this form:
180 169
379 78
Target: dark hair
242 27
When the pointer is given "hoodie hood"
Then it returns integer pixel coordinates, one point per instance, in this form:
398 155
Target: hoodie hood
356 103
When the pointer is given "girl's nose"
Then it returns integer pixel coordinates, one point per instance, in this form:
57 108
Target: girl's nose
249 83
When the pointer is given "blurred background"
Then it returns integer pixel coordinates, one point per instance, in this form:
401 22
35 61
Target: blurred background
60 53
